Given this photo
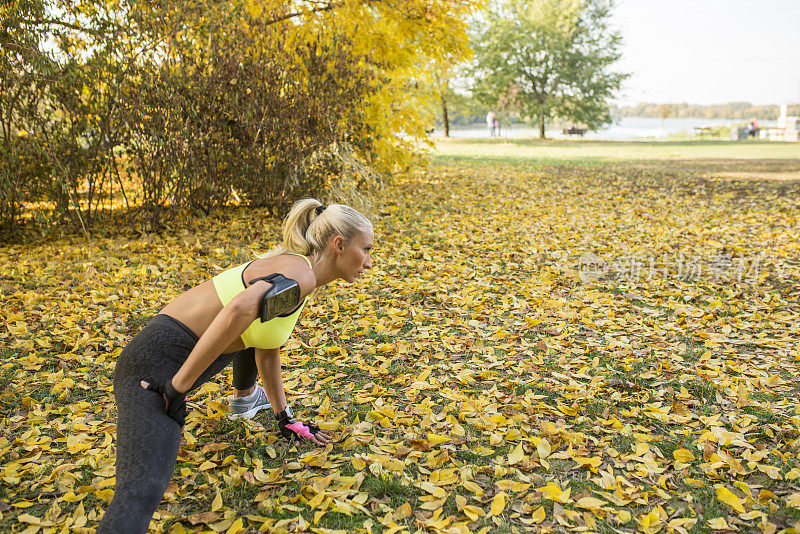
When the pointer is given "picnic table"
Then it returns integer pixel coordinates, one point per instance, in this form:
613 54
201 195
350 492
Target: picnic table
703 130
574 131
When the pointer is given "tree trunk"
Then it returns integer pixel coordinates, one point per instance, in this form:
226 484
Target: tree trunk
445 118
541 126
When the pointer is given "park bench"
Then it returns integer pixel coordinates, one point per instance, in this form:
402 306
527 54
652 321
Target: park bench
574 131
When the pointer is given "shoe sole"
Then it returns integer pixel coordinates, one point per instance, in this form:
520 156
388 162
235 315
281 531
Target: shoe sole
249 414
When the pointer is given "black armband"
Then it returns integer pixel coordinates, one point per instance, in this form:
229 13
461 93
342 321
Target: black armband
282 297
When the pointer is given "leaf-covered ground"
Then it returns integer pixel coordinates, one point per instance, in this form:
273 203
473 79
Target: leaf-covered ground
473 382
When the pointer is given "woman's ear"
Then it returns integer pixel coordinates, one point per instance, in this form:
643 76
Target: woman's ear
338 244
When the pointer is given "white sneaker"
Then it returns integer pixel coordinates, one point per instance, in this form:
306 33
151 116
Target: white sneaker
248 407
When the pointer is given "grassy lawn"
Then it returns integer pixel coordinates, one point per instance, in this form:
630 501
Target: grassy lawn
475 379
605 151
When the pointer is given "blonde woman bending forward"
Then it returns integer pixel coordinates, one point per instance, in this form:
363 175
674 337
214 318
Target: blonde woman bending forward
243 315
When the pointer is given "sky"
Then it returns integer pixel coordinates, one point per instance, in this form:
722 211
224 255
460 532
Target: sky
710 51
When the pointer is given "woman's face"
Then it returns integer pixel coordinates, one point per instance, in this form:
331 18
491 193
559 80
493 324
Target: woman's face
354 258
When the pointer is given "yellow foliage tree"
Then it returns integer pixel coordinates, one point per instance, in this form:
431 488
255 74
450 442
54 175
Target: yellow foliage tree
408 42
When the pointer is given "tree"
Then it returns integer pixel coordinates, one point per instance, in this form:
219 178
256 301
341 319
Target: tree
554 56
206 102
445 84
665 111
445 92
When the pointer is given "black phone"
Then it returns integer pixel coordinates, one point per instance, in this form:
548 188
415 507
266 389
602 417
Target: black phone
282 297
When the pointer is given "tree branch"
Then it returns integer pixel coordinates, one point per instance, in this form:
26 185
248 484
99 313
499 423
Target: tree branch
328 7
38 22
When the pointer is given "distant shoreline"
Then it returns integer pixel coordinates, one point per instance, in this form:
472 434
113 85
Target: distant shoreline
729 111
733 111
616 120
623 128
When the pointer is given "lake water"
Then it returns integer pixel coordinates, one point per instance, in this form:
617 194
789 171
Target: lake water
625 128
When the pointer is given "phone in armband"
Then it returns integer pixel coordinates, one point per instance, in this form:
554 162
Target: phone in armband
282 297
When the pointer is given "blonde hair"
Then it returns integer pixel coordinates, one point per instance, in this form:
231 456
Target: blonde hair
307 232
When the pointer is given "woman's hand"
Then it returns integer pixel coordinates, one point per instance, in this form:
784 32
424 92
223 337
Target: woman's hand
174 400
269 366
295 430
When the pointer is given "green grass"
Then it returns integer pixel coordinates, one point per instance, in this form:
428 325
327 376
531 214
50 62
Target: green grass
137 322
389 488
607 151
622 443
706 497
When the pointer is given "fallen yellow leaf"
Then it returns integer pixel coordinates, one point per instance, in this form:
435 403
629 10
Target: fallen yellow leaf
438 439
543 448
516 456
792 501
683 455
724 495
590 503
472 512
718 523
588 462
473 487
498 504
236 527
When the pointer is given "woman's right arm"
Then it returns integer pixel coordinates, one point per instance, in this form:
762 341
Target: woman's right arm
226 328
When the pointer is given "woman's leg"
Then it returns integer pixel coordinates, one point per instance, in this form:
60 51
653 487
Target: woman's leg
147 438
245 372
247 399
147 449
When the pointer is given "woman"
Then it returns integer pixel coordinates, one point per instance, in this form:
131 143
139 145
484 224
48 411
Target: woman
245 315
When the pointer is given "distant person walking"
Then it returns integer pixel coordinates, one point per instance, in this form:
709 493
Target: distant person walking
753 131
490 118
497 126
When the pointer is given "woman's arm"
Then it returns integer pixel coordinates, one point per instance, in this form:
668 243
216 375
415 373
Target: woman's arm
234 319
226 327
268 362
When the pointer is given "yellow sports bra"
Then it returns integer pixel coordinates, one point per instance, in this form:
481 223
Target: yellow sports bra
270 335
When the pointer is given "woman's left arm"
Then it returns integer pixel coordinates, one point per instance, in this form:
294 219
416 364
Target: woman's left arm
268 362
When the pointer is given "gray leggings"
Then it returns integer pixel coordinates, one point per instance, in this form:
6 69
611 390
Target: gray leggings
147 438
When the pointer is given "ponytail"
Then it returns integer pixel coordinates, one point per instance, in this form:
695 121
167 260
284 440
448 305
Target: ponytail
309 226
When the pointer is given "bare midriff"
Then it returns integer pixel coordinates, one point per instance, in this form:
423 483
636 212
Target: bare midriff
197 308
